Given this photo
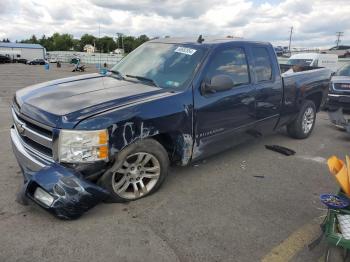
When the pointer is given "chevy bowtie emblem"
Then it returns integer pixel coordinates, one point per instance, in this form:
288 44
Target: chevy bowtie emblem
20 128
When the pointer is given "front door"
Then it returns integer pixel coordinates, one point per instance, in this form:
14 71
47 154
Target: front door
223 119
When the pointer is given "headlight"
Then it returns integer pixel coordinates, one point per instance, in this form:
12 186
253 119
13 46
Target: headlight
82 146
44 197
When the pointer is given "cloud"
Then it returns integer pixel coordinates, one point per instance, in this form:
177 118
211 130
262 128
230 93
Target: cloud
175 9
7 7
60 12
314 22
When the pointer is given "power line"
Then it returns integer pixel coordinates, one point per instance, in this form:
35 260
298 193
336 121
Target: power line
339 34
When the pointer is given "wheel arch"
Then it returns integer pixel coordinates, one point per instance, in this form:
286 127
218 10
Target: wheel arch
316 98
178 146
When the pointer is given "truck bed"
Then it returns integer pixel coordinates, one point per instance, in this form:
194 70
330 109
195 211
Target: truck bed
285 67
308 82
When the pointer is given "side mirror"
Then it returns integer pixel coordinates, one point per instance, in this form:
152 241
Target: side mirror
217 83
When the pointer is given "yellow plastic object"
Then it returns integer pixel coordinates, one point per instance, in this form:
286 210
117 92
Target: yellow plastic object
340 171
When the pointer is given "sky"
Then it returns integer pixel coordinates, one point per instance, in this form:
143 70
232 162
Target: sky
315 22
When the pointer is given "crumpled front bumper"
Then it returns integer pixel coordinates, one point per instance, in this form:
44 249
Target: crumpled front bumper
72 194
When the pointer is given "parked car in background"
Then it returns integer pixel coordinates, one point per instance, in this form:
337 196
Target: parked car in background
37 62
342 51
329 61
4 59
279 50
21 60
169 101
53 60
339 90
345 55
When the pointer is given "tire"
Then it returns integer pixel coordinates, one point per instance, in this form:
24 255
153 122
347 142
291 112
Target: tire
301 128
131 168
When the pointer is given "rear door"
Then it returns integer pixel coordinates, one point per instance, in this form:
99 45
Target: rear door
269 87
222 118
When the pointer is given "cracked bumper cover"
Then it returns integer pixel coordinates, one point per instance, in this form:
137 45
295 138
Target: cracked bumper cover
72 194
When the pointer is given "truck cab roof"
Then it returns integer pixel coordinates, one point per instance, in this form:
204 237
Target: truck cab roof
207 41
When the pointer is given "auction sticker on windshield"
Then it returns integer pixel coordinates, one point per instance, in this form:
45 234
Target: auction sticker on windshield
185 50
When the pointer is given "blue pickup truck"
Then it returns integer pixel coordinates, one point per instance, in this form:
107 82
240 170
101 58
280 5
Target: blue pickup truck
111 137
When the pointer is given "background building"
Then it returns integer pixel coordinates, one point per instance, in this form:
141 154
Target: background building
24 51
119 51
89 49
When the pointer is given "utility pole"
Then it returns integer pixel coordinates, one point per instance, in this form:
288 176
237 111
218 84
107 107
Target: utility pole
123 44
290 39
339 34
117 40
99 39
120 35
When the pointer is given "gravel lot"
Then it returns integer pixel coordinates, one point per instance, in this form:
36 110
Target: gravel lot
245 204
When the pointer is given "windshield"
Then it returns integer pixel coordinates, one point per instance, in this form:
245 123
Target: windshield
344 71
166 65
300 62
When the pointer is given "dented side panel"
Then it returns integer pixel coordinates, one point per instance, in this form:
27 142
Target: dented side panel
170 115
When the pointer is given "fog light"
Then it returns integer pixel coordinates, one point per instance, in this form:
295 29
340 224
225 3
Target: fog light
44 197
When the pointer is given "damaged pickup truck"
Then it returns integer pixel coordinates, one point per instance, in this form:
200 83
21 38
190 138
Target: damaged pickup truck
111 137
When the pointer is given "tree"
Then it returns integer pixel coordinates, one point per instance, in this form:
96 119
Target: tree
46 42
31 40
106 44
76 45
141 39
129 43
66 42
62 42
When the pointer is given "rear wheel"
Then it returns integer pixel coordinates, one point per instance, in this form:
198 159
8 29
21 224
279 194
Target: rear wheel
303 125
139 170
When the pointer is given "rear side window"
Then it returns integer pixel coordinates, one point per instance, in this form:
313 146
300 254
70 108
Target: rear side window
231 62
263 66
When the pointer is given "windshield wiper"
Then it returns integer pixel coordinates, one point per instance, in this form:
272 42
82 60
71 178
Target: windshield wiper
142 78
117 73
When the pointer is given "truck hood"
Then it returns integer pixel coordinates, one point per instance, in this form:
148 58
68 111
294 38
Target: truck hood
341 79
72 99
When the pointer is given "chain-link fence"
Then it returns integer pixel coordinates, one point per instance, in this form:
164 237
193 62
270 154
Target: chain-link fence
85 58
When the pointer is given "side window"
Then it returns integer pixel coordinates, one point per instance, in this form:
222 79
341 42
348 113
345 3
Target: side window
231 62
263 67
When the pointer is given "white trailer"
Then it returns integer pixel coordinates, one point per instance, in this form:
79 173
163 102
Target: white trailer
22 51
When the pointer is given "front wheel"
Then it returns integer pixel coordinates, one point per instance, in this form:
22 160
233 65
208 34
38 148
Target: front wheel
303 125
139 170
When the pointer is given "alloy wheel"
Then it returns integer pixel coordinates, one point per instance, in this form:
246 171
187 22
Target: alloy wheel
308 120
137 176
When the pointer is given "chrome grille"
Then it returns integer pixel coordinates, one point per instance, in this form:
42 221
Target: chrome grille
36 139
342 86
